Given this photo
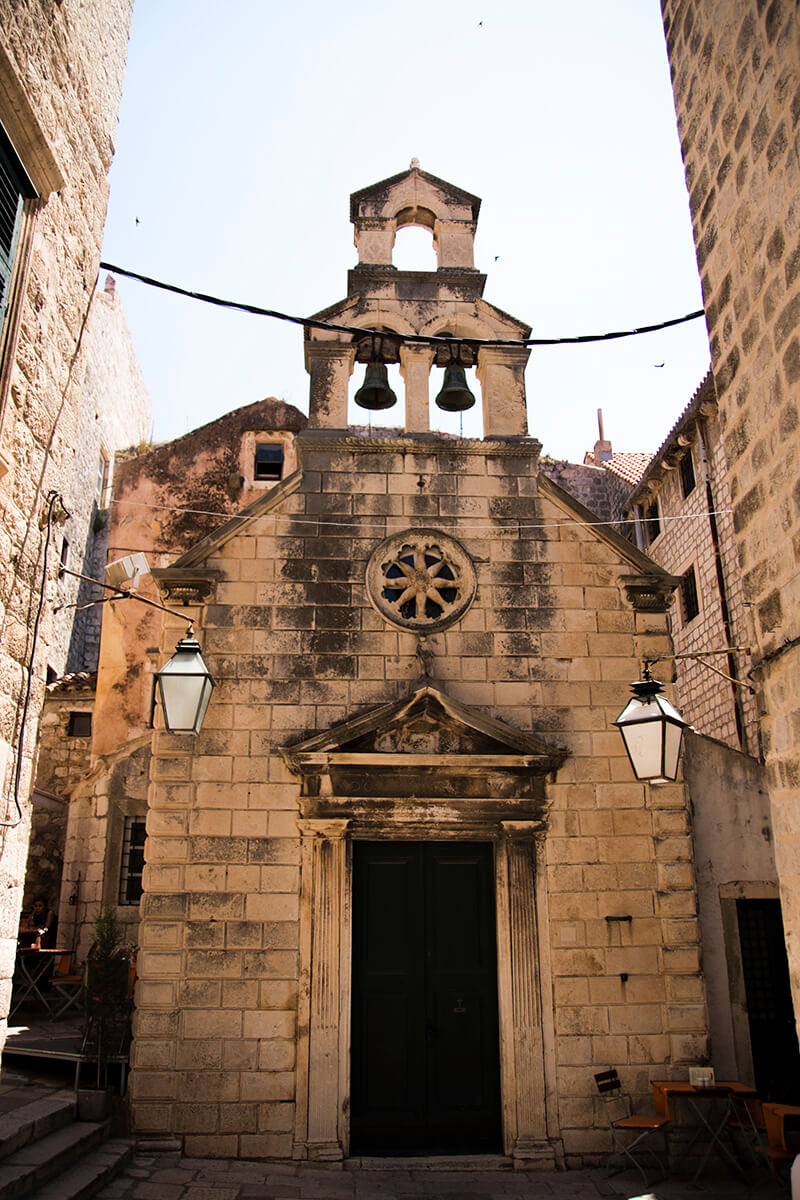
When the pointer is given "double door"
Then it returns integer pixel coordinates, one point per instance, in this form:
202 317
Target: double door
425 1076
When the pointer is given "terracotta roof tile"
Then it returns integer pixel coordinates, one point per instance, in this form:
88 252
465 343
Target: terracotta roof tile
629 465
78 681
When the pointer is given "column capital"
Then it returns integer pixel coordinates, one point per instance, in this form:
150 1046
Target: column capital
523 830
414 353
332 829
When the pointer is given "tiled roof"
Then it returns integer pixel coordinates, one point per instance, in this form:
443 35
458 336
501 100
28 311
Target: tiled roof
79 681
705 394
629 465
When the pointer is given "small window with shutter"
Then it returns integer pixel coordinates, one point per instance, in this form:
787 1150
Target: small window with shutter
269 462
15 189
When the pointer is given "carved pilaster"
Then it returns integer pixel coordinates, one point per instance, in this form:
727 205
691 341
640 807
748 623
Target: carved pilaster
531 1148
323 896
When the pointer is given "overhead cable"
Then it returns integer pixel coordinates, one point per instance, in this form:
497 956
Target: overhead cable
415 338
515 525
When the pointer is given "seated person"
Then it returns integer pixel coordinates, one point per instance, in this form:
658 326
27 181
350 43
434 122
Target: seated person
39 924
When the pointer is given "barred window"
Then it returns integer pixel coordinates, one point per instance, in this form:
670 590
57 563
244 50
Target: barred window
130 876
689 599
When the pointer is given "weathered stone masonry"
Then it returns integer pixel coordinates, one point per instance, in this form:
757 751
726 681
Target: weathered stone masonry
736 78
61 69
548 646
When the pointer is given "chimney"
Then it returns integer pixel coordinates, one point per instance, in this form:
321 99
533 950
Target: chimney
602 448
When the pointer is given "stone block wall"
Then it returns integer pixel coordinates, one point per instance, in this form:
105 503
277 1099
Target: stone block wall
61 70
736 80
115 414
548 646
164 500
685 541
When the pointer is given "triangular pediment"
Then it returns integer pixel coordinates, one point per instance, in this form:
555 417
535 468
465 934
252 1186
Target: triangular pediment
425 725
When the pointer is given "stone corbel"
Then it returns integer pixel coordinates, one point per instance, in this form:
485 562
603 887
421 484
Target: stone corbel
650 593
186 585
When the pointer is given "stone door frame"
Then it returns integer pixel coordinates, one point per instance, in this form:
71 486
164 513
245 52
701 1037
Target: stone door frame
527 1054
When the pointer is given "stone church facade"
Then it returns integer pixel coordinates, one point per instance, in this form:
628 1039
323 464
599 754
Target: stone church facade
402 894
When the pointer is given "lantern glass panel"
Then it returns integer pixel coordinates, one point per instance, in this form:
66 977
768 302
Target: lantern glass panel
185 686
643 743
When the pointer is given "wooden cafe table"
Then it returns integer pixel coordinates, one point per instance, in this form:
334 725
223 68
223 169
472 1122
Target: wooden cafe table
711 1111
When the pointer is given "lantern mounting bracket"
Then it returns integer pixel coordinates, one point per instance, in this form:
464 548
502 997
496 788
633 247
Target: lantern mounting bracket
700 657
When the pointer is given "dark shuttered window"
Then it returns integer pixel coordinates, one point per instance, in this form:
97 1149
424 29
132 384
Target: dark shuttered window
15 189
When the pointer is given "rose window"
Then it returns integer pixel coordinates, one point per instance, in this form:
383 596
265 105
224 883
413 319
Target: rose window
421 580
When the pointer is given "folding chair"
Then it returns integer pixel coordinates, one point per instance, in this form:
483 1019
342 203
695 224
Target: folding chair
68 987
621 1119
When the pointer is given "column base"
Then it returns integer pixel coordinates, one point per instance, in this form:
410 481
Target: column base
533 1155
325 1152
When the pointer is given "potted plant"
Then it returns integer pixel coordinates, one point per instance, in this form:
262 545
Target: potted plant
107 1006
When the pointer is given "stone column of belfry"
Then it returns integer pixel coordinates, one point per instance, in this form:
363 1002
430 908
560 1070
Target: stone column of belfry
323 866
524 842
330 365
501 372
415 367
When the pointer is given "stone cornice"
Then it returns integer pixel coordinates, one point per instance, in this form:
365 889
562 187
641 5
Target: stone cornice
399 442
26 133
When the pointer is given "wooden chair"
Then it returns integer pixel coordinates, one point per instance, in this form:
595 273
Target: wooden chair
623 1121
68 986
782 1144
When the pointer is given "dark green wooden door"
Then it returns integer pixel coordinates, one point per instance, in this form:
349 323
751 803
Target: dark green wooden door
425 1053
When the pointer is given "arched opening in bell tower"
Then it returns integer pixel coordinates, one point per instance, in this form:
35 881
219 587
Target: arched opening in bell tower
414 247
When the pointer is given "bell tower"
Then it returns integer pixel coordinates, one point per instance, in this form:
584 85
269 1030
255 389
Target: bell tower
393 307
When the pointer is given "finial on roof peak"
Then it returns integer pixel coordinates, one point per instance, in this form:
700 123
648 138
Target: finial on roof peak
414 164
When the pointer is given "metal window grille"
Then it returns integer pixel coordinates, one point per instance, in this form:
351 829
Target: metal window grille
132 865
689 597
686 468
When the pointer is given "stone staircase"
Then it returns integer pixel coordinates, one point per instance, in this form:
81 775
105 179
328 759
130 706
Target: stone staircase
47 1154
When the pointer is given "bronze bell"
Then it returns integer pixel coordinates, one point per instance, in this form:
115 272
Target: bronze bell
455 396
375 391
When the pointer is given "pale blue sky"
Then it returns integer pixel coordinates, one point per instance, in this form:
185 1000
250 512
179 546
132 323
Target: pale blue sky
244 130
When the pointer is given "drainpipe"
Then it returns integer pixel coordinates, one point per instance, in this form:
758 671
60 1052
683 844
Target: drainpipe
733 668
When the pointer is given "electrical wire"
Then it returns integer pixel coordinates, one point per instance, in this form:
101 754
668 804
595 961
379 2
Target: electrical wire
52 498
413 338
515 527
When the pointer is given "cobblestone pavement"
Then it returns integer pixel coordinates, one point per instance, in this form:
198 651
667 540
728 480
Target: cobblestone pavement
172 1177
